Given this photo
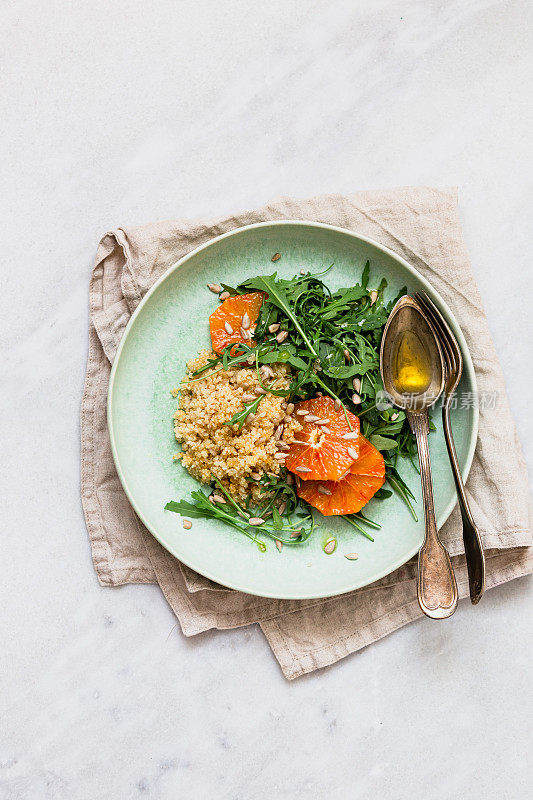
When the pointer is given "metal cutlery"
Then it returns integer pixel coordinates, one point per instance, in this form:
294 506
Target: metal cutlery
453 367
412 369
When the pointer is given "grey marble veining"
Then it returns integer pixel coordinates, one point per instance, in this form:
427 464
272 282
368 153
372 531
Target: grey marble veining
125 112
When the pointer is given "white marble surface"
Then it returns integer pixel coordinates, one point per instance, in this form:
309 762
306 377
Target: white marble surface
116 113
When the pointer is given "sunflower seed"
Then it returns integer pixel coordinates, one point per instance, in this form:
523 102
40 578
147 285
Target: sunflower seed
295 534
282 445
297 481
394 416
256 521
303 469
290 408
276 257
356 383
302 412
325 429
224 296
228 328
280 456
356 399
311 418
248 398
267 515
251 359
274 327
353 453
282 335
323 490
282 508
299 441
259 390
322 421
266 372
347 355
211 499
373 297
330 546
290 479
245 321
250 417
351 435
279 545
218 498
351 556
187 524
245 334
214 287
278 432
337 405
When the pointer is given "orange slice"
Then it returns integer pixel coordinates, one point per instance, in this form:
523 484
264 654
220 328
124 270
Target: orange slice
226 322
321 451
350 494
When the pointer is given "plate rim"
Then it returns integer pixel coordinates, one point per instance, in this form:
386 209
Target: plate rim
467 362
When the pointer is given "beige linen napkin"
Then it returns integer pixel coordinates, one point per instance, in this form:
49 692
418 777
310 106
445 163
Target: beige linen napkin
422 225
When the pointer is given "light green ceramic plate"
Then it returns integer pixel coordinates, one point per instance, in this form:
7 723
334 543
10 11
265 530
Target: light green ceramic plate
170 326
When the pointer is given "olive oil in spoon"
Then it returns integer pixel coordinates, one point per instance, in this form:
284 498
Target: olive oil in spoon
411 371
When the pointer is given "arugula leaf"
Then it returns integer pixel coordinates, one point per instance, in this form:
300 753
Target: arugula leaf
299 363
382 494
342 371
382 442
276 296
230 289
239 418
342 300
399 486
277 522
184 508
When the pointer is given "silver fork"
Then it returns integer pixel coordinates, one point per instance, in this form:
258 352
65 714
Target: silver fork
475 559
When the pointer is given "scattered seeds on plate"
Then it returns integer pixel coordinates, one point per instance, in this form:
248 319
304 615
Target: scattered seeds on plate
330 546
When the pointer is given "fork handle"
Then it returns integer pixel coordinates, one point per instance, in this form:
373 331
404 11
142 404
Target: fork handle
475 558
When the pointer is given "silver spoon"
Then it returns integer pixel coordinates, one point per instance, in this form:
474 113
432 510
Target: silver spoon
412 371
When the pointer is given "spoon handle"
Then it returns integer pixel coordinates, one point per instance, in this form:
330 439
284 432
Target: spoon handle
475 559
437 589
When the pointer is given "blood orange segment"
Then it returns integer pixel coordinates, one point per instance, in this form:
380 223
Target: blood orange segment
226 322
320 451
350 494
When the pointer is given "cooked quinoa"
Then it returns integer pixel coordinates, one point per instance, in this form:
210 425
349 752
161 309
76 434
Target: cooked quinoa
209 447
